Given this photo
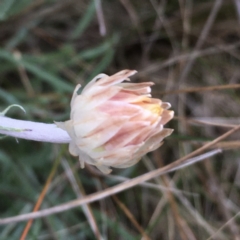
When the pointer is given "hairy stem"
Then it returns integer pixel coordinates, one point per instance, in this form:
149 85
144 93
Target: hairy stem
35 131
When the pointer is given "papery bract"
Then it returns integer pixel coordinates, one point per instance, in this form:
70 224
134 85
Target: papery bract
114 123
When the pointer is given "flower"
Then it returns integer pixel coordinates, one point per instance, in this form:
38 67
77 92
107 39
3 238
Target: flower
114 123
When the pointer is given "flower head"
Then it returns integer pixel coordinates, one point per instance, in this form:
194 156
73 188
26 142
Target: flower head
114 123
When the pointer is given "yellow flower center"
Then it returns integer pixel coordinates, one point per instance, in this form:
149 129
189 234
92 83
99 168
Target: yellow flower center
99 149
154 108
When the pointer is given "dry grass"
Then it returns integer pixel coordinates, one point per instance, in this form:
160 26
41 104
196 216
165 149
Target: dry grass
190 50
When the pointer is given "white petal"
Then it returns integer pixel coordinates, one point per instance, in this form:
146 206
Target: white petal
85 158
94 97
73 149
92 82
166 105
116 78
75 94
86 122
104 169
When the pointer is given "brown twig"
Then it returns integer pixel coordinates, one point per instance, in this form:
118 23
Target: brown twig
120 187
40 199
201 89
201 39
80 192
130 217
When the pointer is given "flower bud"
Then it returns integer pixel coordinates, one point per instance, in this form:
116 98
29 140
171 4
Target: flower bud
114 123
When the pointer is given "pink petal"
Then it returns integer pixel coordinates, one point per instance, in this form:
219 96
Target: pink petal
166 116
126 134
115 108
148 148
154 141
146 134
145 115
101 134
124 96
141 88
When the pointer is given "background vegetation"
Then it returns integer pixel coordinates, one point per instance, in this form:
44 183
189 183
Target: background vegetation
189 49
